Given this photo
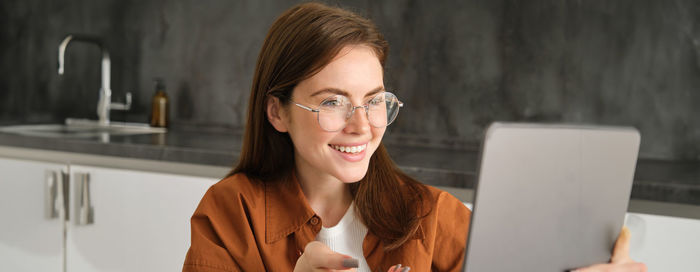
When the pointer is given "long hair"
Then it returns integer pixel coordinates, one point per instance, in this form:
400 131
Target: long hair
299 44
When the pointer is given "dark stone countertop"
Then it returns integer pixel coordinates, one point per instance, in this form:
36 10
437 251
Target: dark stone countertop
677 182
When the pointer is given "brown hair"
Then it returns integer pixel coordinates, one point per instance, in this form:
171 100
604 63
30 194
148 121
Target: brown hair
299 44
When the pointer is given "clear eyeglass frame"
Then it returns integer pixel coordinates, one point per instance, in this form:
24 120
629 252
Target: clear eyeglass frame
392 113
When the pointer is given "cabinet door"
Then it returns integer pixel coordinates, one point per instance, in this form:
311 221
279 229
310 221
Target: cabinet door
127 220
29 239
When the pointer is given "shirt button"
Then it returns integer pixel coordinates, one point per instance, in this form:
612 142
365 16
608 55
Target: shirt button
314 220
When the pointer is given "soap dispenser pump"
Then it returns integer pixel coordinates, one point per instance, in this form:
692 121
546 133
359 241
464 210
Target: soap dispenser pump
159 106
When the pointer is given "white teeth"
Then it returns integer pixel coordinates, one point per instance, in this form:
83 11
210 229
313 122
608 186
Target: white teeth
350 149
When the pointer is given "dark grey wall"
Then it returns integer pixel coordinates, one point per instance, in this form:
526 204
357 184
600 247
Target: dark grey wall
457 65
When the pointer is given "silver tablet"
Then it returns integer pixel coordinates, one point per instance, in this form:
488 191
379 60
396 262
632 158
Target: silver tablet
550 197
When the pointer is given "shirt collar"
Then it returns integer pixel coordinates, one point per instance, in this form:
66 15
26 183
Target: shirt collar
286 208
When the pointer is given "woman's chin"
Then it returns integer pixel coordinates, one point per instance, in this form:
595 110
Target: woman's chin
353 176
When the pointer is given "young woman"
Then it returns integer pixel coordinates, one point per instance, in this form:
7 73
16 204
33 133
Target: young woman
314 178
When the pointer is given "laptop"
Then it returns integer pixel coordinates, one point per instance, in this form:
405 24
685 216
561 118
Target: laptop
550 197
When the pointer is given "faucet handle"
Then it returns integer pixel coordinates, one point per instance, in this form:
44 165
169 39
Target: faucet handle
122 106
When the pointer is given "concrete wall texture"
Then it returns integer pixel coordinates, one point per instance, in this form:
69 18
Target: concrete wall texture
457 65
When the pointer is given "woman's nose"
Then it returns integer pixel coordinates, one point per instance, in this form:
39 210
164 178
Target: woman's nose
358 122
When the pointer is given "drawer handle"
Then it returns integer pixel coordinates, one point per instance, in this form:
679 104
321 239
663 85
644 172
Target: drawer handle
85 212
55 194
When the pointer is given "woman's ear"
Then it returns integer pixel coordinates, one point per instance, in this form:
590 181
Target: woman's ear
276 114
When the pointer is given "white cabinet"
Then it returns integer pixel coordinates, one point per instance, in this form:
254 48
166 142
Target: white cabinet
140 220
29 240
119 220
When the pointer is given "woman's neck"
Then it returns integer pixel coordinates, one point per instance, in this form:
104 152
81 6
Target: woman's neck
327 196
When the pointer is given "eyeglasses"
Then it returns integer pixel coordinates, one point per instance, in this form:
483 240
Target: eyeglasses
334 112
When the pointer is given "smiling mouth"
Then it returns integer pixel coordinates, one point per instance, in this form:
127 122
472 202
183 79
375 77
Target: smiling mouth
349 149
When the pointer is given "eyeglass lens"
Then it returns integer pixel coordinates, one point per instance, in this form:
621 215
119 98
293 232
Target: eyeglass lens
335 111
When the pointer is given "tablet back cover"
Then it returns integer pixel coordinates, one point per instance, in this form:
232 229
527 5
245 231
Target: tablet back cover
550 197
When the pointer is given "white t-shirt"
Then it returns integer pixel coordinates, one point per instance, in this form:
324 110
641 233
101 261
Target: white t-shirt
346 237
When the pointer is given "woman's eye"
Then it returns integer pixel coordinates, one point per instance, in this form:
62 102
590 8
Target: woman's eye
376 101
332 103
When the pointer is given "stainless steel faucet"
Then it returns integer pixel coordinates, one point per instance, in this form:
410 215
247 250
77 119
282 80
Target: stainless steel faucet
104 104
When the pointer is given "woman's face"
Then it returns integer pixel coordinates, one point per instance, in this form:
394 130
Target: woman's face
357 74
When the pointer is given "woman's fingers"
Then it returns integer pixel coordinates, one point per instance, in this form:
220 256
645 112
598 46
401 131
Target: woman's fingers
399 268
620 260
621 252
320 256
394 268
628 267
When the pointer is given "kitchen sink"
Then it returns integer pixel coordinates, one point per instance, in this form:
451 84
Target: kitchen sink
82 128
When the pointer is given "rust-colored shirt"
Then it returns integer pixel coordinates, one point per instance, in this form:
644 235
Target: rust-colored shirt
244 225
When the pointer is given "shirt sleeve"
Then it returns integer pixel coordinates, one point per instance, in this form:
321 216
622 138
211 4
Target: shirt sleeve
451 236
219 230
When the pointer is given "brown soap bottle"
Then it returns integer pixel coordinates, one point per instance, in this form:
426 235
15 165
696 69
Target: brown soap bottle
159 106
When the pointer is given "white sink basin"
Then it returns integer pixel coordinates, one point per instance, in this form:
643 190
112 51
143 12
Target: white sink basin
77 128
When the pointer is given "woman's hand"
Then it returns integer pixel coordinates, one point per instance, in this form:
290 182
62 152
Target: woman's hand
620 260
318 257
399 268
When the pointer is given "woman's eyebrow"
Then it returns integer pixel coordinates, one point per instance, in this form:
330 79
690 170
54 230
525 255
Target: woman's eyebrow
342 92
330 90
375 91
